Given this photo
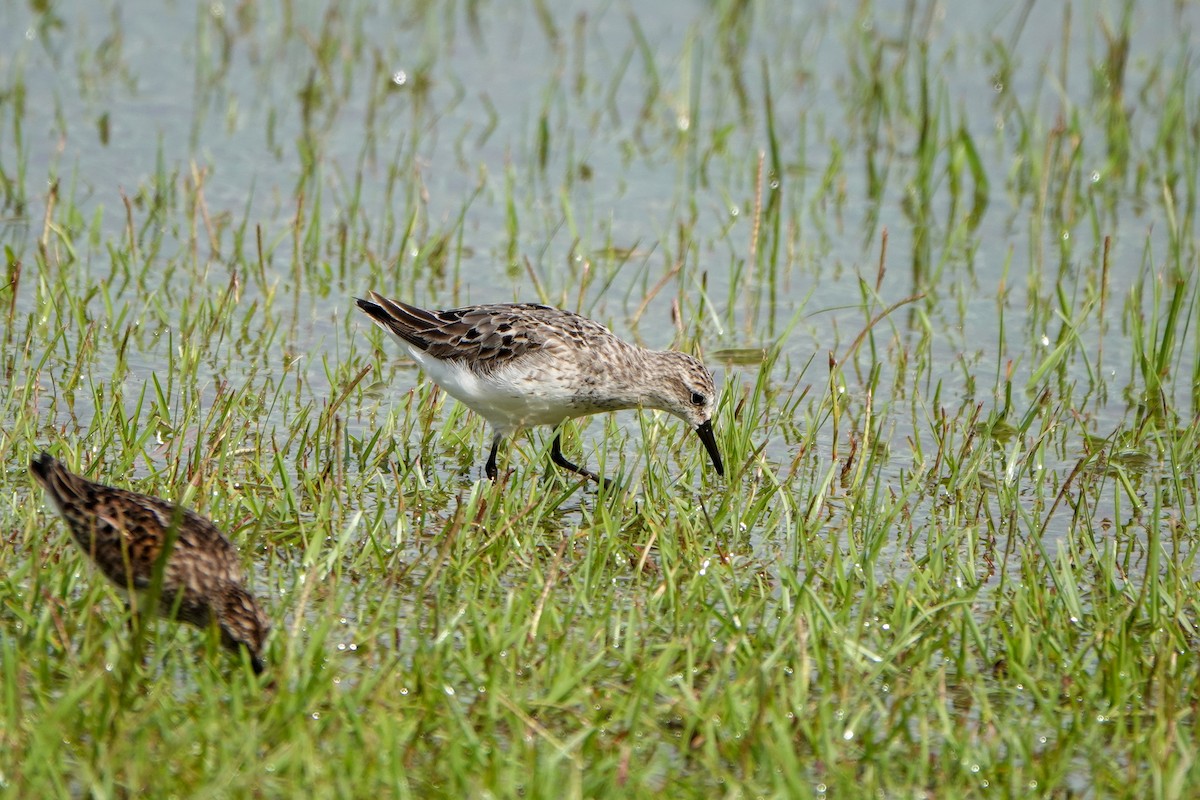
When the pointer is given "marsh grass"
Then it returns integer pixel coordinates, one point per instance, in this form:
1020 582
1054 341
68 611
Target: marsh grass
954 551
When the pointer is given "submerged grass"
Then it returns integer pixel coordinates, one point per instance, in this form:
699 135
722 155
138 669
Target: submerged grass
955 550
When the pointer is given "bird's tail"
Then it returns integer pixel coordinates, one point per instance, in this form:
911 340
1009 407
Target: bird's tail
410 323
60 483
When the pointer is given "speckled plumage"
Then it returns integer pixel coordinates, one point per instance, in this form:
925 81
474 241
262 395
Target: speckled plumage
124 534
523 364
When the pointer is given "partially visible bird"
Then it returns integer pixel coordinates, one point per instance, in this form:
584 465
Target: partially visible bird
521 364
125 534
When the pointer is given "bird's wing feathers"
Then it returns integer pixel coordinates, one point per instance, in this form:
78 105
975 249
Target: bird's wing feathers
483 337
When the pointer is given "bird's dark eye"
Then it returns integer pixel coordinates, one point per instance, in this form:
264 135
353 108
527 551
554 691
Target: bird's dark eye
698 399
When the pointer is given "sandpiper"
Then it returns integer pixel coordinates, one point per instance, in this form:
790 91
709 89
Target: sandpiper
522 364
125 533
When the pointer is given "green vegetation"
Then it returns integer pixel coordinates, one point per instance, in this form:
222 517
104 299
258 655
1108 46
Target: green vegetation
948 278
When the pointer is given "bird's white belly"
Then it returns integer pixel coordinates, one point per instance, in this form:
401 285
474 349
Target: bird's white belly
508 398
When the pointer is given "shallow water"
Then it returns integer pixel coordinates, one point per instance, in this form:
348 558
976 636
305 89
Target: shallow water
593 127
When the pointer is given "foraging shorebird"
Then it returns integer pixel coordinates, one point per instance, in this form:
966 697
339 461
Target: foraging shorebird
125 534
521 364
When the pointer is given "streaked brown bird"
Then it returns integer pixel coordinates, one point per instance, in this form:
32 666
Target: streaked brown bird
522 364
125 534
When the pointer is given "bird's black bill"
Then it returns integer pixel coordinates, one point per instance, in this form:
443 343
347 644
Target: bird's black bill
705 432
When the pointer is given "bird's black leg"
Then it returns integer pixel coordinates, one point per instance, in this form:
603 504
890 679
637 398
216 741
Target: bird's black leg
135 624
490 468
558 458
